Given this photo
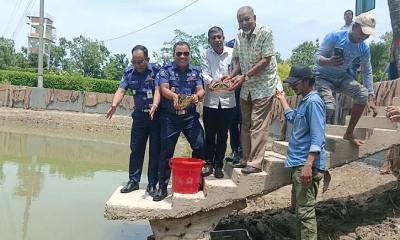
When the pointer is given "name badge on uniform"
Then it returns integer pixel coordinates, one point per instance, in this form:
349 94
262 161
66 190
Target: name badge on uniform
173 89
133 92
149 94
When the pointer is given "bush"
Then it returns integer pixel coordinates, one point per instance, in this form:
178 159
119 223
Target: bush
66 81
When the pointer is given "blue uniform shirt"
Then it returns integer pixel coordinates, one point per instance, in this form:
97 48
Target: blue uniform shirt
180 82
308 133
141 84
351 52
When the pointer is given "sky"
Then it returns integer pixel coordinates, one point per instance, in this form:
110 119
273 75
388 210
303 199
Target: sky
292 21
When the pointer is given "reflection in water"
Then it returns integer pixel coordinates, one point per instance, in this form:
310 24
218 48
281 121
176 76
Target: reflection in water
54 188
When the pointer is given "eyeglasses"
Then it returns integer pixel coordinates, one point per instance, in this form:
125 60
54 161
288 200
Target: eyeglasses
139 62
179 54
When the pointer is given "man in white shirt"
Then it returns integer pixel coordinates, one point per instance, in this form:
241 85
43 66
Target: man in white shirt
218 107
348 20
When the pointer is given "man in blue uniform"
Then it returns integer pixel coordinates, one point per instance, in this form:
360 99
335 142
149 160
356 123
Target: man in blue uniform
179 78
140 78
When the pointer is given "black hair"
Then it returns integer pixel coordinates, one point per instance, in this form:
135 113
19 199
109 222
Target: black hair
214 30
180 43
348 10
311 80
143 48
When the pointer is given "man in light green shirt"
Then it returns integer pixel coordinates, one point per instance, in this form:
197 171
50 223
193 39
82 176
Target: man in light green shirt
254 58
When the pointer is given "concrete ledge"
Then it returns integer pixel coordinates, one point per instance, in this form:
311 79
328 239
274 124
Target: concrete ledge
374 122
277 174
249 184
136 205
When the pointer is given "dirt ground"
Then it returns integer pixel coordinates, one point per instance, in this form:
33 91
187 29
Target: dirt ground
360 203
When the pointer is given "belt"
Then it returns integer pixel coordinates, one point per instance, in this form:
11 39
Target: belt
181 112
146 110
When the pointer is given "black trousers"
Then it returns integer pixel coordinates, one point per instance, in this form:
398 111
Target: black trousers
216 125
236 123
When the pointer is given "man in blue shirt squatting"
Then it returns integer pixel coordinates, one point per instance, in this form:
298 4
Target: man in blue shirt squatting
179 78
306 152
140 78
334 60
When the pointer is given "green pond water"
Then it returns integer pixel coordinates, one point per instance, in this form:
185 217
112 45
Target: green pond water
56 188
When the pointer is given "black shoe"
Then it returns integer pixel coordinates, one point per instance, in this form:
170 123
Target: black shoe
250 169
160 195
151 237
151 189
238 165
207 170
236 158
130 186
218 173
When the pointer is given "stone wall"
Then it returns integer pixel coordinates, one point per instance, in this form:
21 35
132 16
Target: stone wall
62 100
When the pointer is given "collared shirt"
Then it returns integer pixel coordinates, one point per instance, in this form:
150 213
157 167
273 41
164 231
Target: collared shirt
351 52
180 82
308 133
250 52
141 84
215 66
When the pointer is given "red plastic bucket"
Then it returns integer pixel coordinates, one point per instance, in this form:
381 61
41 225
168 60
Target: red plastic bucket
186 174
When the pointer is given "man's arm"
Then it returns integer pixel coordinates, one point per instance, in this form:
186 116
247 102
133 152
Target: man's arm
322 56
168 94
118 96
316 120
288 111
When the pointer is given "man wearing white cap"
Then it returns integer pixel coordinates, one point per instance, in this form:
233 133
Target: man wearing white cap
333 62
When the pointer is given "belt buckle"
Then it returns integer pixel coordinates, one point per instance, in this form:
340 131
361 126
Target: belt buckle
181 112
146 110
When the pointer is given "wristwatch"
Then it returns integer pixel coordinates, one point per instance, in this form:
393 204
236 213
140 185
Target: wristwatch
246 77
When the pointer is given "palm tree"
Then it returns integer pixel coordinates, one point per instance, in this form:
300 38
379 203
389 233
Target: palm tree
394 9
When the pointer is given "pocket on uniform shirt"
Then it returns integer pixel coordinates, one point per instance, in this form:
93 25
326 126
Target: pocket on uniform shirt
133 85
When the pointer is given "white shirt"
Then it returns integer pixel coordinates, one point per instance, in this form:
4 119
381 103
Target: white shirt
215 66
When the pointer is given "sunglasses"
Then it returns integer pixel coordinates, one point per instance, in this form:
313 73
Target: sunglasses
179 54
139 62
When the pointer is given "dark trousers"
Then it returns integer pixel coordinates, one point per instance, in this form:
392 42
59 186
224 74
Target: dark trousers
142 129
236 124
171 127
216 124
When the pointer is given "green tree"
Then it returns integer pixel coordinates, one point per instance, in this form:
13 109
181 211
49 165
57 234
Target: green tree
304 53
58 55
380 54
197 45
88 56
115 67
7 52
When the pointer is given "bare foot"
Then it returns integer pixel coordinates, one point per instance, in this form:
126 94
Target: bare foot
353 139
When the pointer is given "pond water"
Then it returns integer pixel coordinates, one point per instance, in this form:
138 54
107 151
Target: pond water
56 188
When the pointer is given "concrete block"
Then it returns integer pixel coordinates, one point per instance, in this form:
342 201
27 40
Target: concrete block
374 122
277 174
188 204
38 98
136 205
214 186
280 147
396 101
249 184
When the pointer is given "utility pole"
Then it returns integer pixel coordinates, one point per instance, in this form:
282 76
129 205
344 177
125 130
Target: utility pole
40 53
